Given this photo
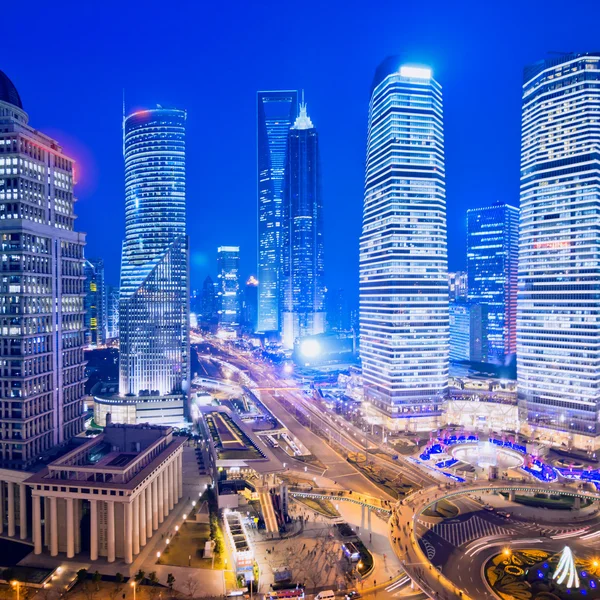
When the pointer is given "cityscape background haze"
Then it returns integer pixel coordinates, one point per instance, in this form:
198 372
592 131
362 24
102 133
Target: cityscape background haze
211 58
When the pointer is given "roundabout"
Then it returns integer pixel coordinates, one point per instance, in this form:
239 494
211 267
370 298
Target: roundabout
428 552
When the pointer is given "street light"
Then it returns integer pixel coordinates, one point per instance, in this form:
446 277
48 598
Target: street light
133 586
157 555
17 586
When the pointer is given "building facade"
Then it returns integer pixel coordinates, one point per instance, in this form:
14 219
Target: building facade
492 259
95 302
228 260
210 310
276 111
154 296
404 326
460 331
303 268
109 495
458 285
41 291
112 312
250 316
558 310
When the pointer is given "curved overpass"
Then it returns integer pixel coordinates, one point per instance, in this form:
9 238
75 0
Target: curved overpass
404 521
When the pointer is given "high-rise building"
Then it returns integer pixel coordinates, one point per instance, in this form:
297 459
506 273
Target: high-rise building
276 111
457 285
338 313
154 298
492 259
460 331
112 312
302 284
42 292
95 302
251 304
558 310
403 256
228 260
210 310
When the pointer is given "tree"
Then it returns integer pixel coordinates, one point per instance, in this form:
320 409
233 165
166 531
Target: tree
170 581
152 578
191 585
97 578
139 576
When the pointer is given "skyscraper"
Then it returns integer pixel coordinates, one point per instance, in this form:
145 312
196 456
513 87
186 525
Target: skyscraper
42 292
228 260
403 255
112 312
338 312
492 258
558 310
209 301
302 285
95 302
251 304
276 112
154 298
460 331
457 285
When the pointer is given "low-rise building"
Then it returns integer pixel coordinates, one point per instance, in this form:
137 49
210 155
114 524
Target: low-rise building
119 486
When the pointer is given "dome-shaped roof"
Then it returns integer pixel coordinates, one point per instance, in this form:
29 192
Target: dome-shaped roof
8 92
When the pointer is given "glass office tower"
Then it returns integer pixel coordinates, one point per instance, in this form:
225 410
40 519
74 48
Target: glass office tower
403 255
154 297
229 300
302 285
41 296
95 302
558 314
276 112
492 259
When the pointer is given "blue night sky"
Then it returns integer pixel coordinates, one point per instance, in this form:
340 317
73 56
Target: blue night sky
71 60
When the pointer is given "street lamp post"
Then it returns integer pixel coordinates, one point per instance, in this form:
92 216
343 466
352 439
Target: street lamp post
17 586
133 584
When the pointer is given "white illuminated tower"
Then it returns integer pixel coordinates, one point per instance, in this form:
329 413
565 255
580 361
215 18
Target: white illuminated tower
558 305
154 298
403 255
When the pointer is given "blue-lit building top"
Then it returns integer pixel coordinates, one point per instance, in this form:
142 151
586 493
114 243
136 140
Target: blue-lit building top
276 111
492 264
302 284
95 302
404 330
229 294
154 297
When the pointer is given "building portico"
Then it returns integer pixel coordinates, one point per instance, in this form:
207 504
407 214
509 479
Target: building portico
101 497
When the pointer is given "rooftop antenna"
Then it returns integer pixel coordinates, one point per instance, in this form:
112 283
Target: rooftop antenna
123 124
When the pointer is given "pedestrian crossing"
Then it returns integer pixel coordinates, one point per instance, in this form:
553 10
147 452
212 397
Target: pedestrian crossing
458 533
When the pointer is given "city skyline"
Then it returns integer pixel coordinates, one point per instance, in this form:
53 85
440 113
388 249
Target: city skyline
92 137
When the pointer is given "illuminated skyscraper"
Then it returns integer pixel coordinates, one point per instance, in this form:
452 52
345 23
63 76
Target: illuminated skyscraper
302 285
492 258
228 260
457 285
95 302
41 297
112 312
558 308
276 112
154 298
403 255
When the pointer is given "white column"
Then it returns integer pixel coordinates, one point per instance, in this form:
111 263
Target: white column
142 520
110 530
37 524
22 511
70 529
149 511
165 475
53 527
11 508
180 470
155 504
93 529
128 541
46 501
171 488
161 490
136 525
2 507
176 479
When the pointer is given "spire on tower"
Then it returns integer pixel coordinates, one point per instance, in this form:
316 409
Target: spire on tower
303 120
